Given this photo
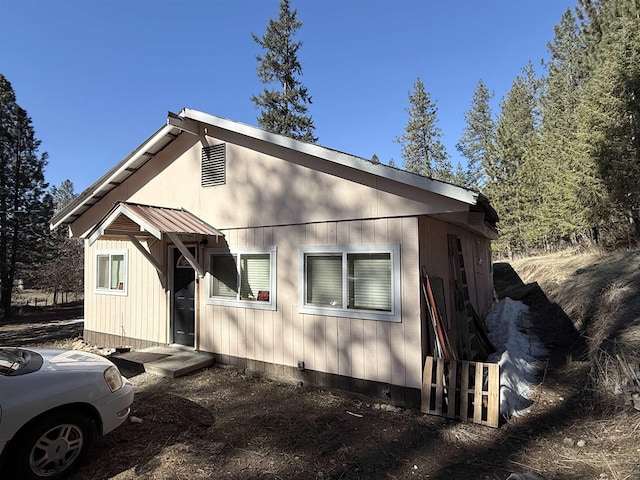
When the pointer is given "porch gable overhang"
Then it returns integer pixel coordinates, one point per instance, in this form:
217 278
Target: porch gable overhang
135 221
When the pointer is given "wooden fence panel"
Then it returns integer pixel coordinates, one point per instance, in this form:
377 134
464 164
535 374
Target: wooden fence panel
463 390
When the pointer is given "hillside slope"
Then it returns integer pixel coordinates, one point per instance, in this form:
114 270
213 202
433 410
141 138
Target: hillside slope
586 309
600 295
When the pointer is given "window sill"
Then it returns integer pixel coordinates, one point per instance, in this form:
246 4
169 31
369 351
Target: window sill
249 303
355 314
116 293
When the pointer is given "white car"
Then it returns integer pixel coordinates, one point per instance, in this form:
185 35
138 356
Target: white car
51 404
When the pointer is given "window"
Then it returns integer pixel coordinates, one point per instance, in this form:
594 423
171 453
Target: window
111 272
359 281
244 277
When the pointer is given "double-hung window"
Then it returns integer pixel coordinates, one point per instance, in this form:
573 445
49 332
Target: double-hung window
243 277
358 281
111 272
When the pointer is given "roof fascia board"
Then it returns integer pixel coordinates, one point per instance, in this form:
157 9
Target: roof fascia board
96 235
142 150
135 156
122 210
468 220
99 231
452 191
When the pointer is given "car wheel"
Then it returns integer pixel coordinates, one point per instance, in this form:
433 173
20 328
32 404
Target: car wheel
53 447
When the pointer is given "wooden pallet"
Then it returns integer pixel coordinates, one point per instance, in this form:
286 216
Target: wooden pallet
463 390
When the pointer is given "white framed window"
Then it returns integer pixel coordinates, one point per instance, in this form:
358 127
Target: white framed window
356 281
243 277
111 272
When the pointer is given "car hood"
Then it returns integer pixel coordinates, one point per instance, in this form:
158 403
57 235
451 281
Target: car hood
71 360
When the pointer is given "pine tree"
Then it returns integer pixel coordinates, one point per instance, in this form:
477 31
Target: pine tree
64 270
599 19
62 195
509 181
25 206
567 178
478 137
285 107
375 159
422 150
461 177
609 116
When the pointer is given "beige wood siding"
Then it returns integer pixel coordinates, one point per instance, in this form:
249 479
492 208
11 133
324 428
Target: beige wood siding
380 351
277 197
476 252
142 312
266 185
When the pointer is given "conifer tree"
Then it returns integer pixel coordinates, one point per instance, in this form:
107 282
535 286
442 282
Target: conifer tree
509 181
285 106
478 137
422 150
25 206
609 116
64 272
567 207
62 195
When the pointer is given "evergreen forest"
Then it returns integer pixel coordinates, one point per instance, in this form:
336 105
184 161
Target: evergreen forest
561 160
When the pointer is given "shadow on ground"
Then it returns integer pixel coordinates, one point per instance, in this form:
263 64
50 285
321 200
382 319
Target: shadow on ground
221 423
552 325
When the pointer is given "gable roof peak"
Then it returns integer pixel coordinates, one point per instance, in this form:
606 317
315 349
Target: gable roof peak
199 123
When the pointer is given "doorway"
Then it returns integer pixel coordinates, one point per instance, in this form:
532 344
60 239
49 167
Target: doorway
184 290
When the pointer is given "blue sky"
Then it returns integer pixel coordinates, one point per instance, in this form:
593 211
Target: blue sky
98 77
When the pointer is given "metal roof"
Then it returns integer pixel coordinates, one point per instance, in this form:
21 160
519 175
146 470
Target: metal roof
132 219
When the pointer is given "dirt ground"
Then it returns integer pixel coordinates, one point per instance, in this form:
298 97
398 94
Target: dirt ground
222 423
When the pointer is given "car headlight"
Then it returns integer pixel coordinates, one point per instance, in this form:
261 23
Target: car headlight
113 378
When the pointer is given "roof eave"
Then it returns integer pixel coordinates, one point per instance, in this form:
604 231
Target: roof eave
114 177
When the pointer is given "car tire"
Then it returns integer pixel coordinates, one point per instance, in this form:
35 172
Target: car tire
53 447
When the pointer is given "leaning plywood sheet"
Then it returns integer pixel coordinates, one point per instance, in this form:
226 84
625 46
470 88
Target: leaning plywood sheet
463 390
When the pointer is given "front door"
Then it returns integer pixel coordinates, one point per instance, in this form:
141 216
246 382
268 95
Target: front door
184 311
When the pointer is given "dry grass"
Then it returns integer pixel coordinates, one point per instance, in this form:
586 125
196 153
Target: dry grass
603 446
39 298
600 293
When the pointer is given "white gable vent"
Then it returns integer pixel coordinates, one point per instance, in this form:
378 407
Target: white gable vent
213 165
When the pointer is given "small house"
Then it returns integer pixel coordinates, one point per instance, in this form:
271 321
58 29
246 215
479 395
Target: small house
280 256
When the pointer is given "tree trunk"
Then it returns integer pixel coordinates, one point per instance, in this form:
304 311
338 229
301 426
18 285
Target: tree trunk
635 223
12 242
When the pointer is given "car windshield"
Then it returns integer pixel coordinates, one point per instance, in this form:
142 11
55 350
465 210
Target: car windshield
9 361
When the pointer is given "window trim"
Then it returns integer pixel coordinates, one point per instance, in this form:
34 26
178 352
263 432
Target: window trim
395 315
238 252
111 291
